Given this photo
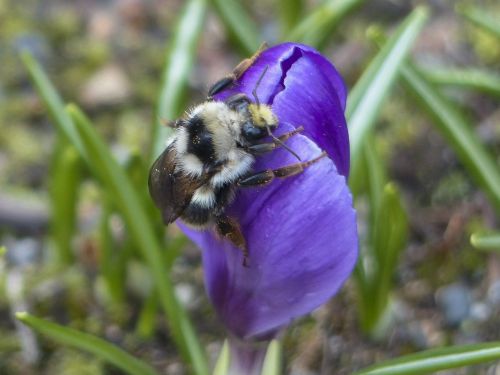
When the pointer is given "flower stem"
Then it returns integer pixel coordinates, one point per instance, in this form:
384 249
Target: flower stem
247 358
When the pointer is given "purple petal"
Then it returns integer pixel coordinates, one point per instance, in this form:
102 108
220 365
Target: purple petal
301 231
302 239
304 89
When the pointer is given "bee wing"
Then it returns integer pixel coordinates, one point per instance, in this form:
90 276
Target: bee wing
171 190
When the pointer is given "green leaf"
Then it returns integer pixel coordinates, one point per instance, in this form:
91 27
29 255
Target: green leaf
241 28
178 65
222 364
290 13
486 241
458 132
476 79
113 256
372 88
128 203
52 101
430 361
317 28
146 323
390 232
481 18
376 174
272 363
66 176
83 341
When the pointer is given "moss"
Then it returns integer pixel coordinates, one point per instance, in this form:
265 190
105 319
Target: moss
452 187
68 361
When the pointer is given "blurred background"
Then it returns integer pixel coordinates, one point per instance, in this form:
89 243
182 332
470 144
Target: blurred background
68 256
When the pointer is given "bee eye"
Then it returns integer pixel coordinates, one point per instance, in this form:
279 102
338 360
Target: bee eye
252 133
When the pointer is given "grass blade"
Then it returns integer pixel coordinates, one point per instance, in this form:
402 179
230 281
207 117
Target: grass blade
476 79
52 101
113 256
290 12
389 234
430 361
179 62
128 202
146 322
458 132
241 28
83 341
486 241
372 88
316 29
388 231
222 363
481 18
375 173
272 362
65 182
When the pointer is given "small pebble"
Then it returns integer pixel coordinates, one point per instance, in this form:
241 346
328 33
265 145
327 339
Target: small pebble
107 86
480 312
455 301
186 294
494 293
23 252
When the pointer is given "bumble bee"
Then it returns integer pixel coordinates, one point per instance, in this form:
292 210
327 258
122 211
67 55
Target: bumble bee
211 155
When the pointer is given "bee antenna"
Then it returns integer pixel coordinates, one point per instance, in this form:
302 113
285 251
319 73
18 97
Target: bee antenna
277 140
254 92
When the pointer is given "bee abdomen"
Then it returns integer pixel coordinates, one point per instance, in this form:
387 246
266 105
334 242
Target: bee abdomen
199 211
197 215
206 204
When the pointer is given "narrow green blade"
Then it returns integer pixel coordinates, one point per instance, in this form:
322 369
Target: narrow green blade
375 173
52 101
373 87
92 344
272 363
458 132
222 364
179 62
480 80
66 177
430 361
481 18
290 12
486 241
242 29
317 28
129 205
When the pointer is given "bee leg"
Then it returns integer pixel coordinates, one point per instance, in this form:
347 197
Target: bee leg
241 68
265 177
262 148
229 228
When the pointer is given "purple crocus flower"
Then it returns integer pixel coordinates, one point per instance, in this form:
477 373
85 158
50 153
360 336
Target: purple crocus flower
301 231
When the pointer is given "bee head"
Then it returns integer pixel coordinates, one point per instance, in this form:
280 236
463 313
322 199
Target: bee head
263 116
262 121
